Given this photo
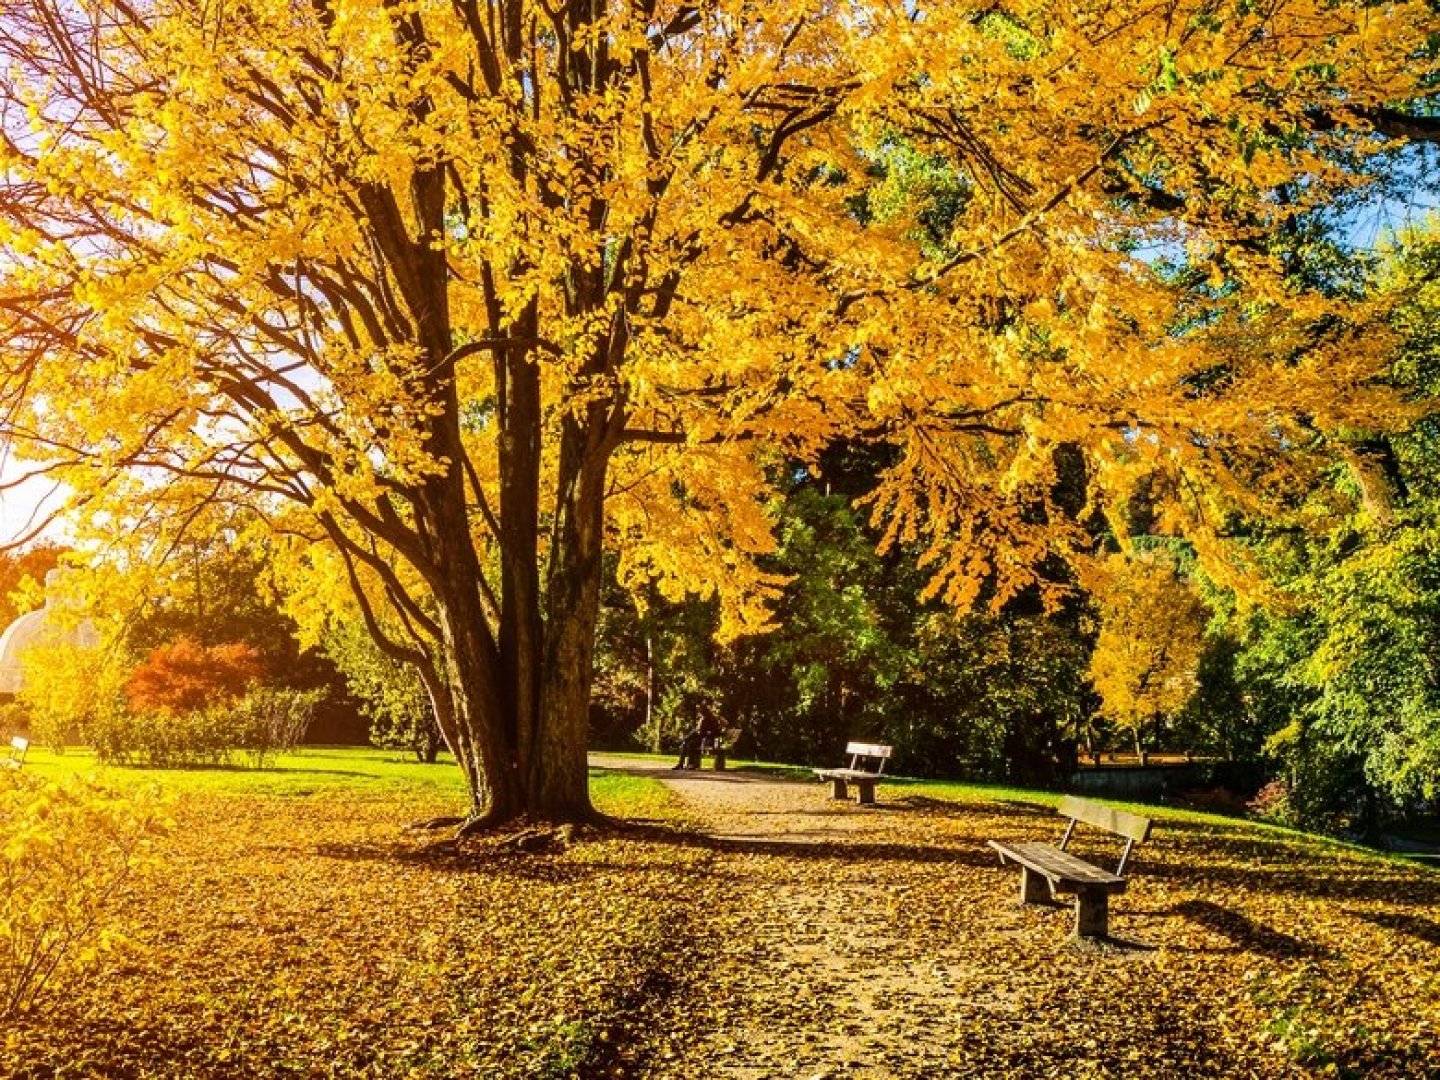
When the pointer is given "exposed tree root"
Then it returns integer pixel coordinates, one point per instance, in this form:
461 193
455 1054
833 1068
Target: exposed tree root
527 832
436 823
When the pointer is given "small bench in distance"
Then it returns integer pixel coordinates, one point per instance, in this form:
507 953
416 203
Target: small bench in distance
1047 870
720 746
864 778
717 746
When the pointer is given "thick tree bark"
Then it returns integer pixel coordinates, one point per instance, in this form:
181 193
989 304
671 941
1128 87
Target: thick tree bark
517 700
557 773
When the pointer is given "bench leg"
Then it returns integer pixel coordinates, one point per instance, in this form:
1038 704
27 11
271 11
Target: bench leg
1092 913
719 759
838 790
864 791
1034 889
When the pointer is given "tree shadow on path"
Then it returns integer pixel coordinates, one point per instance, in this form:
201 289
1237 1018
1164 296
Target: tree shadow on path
950 809
1246 934
1426 930
466 858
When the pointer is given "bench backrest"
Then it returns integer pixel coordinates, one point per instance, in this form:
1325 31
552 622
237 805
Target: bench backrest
1133 827
860 752
726 738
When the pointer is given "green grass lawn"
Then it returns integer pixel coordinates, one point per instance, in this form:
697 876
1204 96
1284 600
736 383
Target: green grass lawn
360 772
368 772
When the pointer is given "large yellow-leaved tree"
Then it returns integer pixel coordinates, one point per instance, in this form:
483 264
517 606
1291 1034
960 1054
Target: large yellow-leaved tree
449 294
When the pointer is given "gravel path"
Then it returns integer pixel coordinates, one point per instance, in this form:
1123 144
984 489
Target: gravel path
813 981
832 959
887 942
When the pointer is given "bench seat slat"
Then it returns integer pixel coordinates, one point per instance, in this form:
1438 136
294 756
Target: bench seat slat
1066 872
847 774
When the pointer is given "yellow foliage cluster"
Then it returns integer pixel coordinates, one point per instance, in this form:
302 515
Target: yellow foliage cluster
68 688
65 850
620 207
1152 634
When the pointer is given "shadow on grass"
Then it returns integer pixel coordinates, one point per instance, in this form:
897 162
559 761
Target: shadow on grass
240 768
1426 930
1318 878
741 775
448 856
1246 934
1202 862
950 808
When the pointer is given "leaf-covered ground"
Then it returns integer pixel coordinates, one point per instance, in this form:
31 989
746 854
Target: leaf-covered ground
754 928
888 942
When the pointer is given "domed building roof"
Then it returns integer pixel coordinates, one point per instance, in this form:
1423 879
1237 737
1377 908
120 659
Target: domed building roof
39 628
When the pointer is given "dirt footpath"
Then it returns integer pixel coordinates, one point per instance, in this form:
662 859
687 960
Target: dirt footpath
886 941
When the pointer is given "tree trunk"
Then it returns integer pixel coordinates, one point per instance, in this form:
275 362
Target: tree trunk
649 726
473 679
427 742
514 705
558 775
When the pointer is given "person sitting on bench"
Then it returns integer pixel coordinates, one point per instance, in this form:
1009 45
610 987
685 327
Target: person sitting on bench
706 727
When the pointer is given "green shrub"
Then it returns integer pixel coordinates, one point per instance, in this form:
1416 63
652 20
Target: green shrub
161 740
269 720
1275 803
264 722
390 694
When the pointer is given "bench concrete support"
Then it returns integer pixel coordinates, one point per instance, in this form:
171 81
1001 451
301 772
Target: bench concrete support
1092 913
866 769
864 789
1034 888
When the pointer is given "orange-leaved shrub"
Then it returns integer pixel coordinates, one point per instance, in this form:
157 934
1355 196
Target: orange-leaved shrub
67 847
191 704
185 676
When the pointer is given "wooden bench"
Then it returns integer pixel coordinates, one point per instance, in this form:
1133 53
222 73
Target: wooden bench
864 779
16 757
1043 865
718 746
